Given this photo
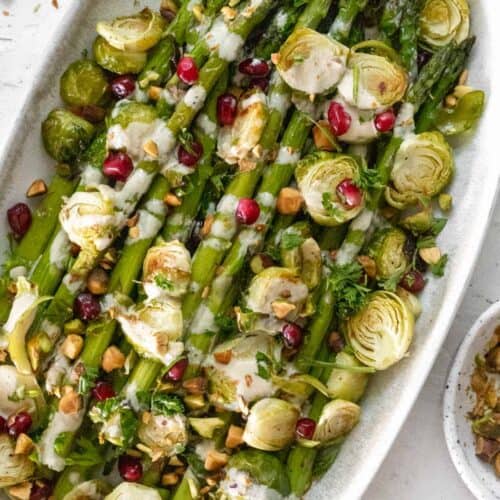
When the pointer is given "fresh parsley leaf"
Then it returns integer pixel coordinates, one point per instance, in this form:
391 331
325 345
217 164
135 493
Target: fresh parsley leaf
60 443
128 425
104 409
329 206
163 282
368 179
186 140
438 268
226 324
426 242
438 225
87 379
86 454
264 365
166 404
391 283
290 240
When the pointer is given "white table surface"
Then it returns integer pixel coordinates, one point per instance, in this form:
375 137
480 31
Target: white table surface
418 466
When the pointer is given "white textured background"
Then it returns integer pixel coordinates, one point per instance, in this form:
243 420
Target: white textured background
418 466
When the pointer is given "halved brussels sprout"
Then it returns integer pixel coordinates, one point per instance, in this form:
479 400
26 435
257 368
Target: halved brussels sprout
154 328
89 220
83 83
127 491
423 167
131 112
410 300
118 61
165 436
206 426
235 384
453 121
95 489
236 142
337 419
419 222
387 249
277 289
381 332
347 384
14 469
166 270
271 424
444 21
311 62
250 470
136 33
373 82
318 177
65 135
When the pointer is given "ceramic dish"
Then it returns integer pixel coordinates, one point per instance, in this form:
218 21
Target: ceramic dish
392 393
479 476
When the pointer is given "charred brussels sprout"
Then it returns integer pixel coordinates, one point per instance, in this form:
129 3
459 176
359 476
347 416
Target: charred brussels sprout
311 62
444 21
136 33
319 177
337 419
83 83
116 60
66 135
423 167
271 424
381 332
388 251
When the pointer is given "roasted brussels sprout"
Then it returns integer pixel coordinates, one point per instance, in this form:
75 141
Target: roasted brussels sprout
387 249
311 62
165 436
118 61
136 33
423 167
337 419
14 468
419 222
66 135
373 82
271 424
83 83
344 383
127 491
132 112
166 270
319 176
444 21
381 332
95 489
248 471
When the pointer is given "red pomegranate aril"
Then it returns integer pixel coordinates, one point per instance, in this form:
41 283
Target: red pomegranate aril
3 425
261 83
384 122
349 193
187 70
41 490
118 166
254 67
190 158
339 119
130 468
177 371
292 335
247 211
103 390
123 86
19 218
19 423
413 281
227 107
305 428
86 307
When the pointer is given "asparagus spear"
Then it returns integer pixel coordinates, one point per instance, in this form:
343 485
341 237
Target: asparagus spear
348 11
408 37
391 17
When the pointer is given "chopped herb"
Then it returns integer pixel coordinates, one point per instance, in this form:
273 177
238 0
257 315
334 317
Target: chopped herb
438 225
391 283
226 324
21 394
290 240
87 454
163 282
186 140
266 365
166 404
368 179
438 268
128 425
87 379
329 206
426 242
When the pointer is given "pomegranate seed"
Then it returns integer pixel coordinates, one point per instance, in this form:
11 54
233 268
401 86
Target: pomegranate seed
103 390
349 193
20 423
247 211
41 490
130 468
187 70
86 307
123 86
19 217
227 107
118 165
384 122
177 371
3 425
339 119
292 335
254 67
261 83
305 428
190 158
413 281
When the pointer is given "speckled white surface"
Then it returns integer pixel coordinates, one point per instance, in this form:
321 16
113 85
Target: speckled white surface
418 465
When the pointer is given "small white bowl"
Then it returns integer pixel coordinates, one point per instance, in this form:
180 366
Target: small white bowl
459 399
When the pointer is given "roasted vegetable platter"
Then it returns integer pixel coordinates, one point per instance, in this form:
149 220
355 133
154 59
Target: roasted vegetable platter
245 208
